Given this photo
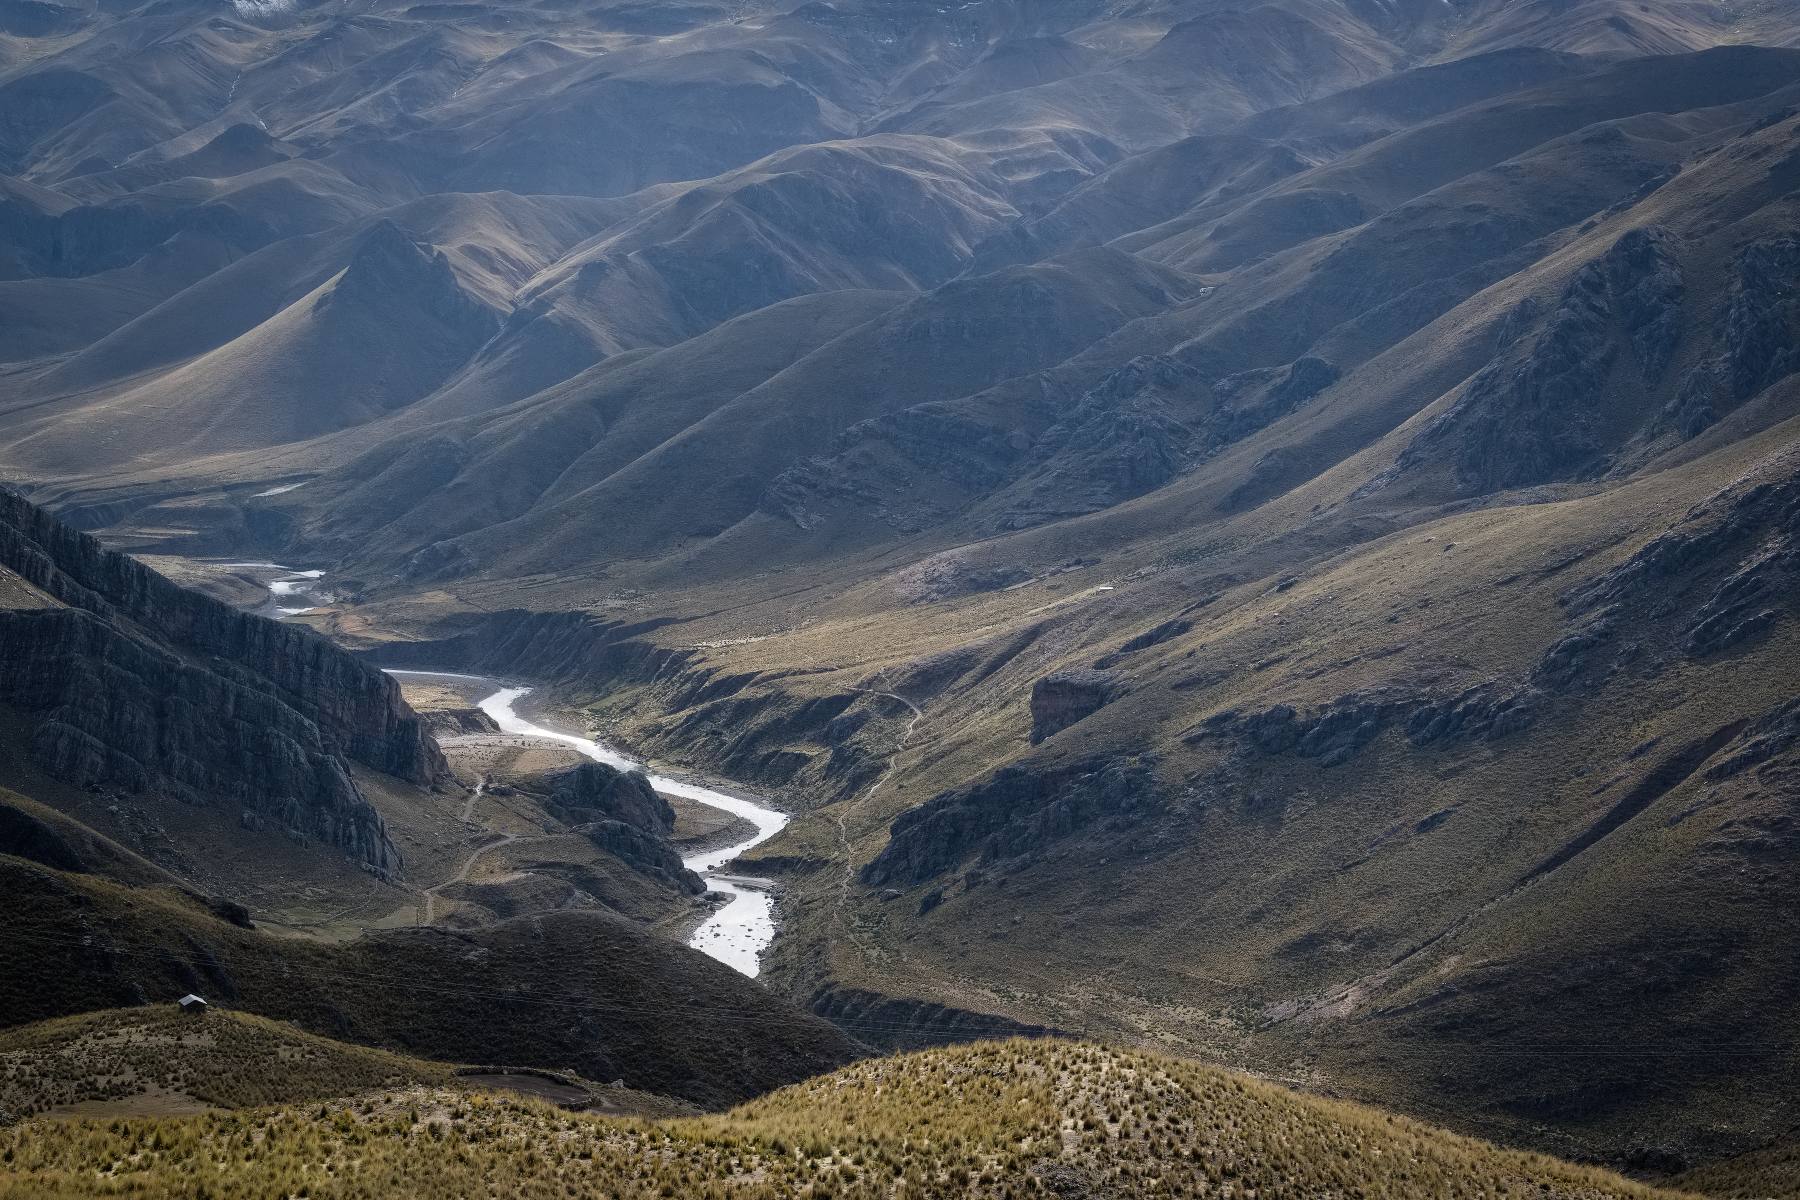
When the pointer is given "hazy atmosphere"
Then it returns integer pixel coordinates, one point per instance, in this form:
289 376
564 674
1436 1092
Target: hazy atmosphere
866 598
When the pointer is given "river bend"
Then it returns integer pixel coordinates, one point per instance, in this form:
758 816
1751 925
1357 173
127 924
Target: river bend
736 933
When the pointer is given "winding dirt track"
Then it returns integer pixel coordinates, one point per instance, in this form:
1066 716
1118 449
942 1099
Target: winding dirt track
505 839
468 812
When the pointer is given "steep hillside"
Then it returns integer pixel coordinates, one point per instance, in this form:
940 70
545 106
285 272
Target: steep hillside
1772 1173
996 1120
585 991
254 762
119 681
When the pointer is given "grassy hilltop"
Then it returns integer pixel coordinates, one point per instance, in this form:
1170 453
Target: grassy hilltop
160 1061
1000 1119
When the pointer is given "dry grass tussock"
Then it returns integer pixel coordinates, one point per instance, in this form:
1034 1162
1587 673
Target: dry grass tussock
1012 1119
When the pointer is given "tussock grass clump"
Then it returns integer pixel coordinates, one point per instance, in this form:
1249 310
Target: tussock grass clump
997 1120
225 1059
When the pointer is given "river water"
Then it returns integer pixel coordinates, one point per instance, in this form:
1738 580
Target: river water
739 931
742 928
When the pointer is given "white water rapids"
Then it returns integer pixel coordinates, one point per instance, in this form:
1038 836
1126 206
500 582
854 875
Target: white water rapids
743 927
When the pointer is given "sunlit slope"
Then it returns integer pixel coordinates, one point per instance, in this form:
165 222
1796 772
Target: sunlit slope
995 1120
160 1060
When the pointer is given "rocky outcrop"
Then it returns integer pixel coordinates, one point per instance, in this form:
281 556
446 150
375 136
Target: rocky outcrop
622 814
1533 416
1763 321
1335 732
458 722
1136 429
1757 340
1694 406
1124 437
1332 733
955 573
1531 423
133 683
595 790
1645 283
1167 631
1061 699
1145 423
1737 556
644 853
1486 711
1746 604
1018 811
1248 401
1767 749
930 437
1579 657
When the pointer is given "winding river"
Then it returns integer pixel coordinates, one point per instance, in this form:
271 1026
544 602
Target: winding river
742 928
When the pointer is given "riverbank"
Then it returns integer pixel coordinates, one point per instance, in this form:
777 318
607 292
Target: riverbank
741 928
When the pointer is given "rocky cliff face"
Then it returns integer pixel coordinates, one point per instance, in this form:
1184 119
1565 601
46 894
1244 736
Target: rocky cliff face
622 814
1755 338
1534 414
130 682
594 791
